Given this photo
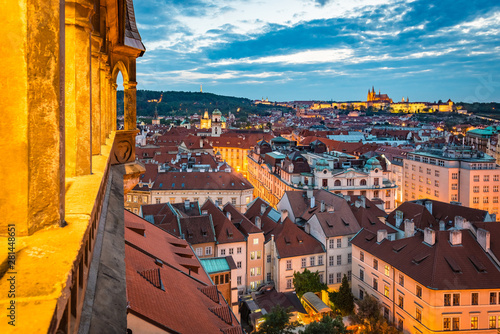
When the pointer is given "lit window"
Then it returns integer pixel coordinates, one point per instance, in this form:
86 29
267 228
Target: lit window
386 270
386 291
255 241
473 323
446 324
418 314
456 299
493 322
447 299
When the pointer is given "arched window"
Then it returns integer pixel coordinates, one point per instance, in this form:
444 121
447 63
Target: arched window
362 182
337 183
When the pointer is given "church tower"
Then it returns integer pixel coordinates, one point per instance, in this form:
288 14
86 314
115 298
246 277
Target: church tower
216 123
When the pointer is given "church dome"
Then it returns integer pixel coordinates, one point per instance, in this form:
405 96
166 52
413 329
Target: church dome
372 164
216 112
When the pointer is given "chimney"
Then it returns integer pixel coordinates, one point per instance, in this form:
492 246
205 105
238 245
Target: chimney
456 237
398 217
459 222
363 201
284 214
358 204
429 236
483 238
313 202
228 215
428 206
310 193
186 204
347 198
258 222
201 143
381 235
442 226
322 208
409 228
263 208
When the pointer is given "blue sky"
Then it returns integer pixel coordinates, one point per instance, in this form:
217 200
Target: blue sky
322 49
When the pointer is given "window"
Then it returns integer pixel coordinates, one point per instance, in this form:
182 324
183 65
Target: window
495 178
331 261
441 163
349 275
331 279
233 200
454 176
436 173
400 324
361 294
303 262
172 199
436 193
157 200
337 183
473 323
331 243
312 261
401 280
475 200
258 254
456 324
454 186
362 256
386 270
135 199
289 283
321 278
428 171
129 198
219 201
231 251
495 199
238 280
436 183
339 243
361 275
320 260
446 324
238 250
238 264
495 189
456 299
428 181
199 251
222 252
288 264
454 197
418 314
255 241
476 178
375 284
493 298
339 277
325 182
401 301
420 169
339 260
485 200
375 264
349 258
252 255
268 258
486 178
386 291
419 291
475 298
208 250
447 299
492 322
486 189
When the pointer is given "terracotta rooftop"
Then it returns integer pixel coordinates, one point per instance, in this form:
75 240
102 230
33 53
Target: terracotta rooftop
442 266
292 241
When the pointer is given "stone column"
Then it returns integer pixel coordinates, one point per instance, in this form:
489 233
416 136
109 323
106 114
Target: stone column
104 96
78 109
130 105
32 126
96 94
114 86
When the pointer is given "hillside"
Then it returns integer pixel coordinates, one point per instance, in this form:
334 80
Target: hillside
188 103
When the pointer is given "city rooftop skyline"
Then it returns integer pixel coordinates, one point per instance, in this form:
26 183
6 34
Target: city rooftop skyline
322 50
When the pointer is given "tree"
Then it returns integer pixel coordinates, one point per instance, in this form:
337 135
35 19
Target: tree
307 281
327 325
343 300
277 322
370 317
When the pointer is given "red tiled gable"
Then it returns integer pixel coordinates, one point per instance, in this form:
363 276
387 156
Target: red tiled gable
441 266
240 221
225 230
153 277
223 313
197 229
211 292
200 180
293 241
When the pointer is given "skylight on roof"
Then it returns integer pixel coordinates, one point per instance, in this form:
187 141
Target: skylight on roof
399 248
421 257
453 264
477 264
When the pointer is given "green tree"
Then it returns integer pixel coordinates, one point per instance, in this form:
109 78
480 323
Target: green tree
370 318
343 300
327 325
307 281
277 322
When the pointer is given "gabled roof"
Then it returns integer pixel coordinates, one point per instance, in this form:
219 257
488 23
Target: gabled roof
244 225
292 241
225 230
442 266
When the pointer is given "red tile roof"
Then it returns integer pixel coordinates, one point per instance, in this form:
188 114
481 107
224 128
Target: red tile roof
292 241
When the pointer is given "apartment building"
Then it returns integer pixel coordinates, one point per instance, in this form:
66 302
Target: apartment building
432 281
453 174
